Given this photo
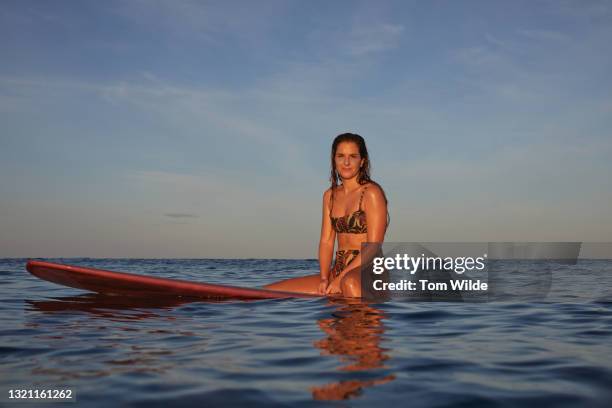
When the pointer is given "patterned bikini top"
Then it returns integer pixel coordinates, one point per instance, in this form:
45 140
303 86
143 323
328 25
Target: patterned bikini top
354 223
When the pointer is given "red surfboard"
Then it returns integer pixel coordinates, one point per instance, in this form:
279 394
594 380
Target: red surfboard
121 283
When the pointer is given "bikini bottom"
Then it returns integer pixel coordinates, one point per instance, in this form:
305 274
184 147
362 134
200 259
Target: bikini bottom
343 258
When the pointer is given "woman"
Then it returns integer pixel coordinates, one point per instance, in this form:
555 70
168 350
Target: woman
354 211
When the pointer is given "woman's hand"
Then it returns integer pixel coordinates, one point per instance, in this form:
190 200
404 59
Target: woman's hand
323 286
334 287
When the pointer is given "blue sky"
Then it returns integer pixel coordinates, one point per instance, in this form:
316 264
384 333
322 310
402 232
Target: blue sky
202 129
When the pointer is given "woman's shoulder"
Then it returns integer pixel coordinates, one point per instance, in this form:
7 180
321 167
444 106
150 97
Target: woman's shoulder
373 191
327 194
372 187
330 190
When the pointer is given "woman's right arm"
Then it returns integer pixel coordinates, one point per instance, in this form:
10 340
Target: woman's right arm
326 242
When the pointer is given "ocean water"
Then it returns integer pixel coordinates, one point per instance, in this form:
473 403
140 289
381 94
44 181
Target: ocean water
523 351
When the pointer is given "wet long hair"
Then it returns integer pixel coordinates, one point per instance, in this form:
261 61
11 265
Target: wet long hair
363 176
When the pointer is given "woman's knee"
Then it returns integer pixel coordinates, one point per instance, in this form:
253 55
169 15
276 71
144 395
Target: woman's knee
351 285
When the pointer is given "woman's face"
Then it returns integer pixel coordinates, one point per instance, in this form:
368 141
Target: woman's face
348 160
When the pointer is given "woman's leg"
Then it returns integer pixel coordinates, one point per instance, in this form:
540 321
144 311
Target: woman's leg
304 284
351 283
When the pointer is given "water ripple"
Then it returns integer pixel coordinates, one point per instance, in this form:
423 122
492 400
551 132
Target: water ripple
304 352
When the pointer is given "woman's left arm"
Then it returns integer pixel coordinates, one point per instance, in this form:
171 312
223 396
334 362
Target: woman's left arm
375 207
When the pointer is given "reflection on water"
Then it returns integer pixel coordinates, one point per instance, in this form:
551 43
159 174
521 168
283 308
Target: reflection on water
114 342
115 307
354 334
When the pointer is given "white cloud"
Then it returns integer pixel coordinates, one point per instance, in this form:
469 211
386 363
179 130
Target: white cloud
544 35
369 39
209 22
